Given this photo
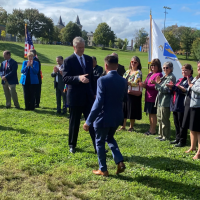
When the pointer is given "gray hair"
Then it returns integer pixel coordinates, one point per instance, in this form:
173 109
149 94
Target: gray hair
77 40
115 54
169 64
33 51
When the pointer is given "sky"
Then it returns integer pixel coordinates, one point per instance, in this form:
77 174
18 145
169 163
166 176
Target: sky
123 16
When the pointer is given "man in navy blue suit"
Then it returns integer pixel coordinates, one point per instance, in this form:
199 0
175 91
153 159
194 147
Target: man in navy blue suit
8 72
107 114
78 75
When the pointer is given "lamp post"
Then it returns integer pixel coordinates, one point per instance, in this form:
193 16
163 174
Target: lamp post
165 7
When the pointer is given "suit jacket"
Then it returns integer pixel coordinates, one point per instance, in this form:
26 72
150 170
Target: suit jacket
120 70
39 75
78 93
11 71
33 72
60 84
97 71
107 109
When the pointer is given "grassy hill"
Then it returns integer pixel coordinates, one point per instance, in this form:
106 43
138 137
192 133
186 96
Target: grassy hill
35 162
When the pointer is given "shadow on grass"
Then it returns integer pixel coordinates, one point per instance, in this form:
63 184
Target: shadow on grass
19 51
180 190
7 128
162 163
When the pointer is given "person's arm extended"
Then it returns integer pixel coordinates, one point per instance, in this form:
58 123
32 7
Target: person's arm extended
67 77
99 101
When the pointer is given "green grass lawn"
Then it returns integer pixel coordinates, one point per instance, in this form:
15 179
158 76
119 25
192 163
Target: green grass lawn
35 162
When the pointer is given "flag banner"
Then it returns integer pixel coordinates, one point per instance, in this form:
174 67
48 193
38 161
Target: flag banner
28 43
160 48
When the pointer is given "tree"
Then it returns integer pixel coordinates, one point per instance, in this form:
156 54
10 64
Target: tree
173 41
196 49
119 43
56 34
125 44
110 44
3 16
140 37
103 34
70 31
3 34
84 36
187 39
39 25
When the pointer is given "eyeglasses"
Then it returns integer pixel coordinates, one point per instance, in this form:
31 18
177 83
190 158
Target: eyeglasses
165 68
134 62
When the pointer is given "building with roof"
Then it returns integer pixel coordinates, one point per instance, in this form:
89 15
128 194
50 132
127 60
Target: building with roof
77 22
90 38
60 24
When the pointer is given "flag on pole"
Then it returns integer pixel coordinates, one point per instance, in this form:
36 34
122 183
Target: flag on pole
160 48
28 42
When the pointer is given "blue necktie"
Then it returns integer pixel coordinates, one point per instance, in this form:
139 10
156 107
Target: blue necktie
82 65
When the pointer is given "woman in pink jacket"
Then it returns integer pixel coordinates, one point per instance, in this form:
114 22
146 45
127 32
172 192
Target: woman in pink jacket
151 93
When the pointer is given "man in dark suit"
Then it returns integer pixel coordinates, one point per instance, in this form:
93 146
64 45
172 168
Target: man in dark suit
107 114
78 75
59 84
97 71
120 70
38 86
9 79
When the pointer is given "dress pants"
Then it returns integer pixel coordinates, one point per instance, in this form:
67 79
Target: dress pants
59 94
10 91
74 123
37 94
29 96
163 115
103 135
181 133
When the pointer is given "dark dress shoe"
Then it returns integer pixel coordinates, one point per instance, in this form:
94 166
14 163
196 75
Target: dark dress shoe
162 140
180 145
158 138
72 150
174 142
99 172
120 168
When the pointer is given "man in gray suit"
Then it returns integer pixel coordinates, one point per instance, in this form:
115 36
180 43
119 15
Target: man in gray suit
59 85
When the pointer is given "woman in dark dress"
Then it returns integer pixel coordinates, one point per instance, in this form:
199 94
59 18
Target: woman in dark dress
192 112
133 107
178 92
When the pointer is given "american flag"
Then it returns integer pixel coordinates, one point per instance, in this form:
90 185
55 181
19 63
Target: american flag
28 43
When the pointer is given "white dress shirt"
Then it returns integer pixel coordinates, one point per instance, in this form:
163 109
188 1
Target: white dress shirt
78 57
60 68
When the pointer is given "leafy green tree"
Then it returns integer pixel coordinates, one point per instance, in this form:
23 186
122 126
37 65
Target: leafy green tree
3 16
39 25
84 36
119 43
187 39
196 49
110 44
103 34
3 34
125 44
70 31
140 37
56 34
173 41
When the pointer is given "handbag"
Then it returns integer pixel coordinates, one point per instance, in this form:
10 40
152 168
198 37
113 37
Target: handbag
136 91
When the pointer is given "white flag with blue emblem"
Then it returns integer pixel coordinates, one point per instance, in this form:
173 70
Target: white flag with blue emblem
160 48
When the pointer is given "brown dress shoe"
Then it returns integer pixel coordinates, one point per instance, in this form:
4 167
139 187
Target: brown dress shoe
99 172
120 168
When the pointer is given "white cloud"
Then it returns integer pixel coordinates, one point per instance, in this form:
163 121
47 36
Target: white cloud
187 9
116 18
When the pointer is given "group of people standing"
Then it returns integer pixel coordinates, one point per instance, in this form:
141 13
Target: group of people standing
108 98
31 80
